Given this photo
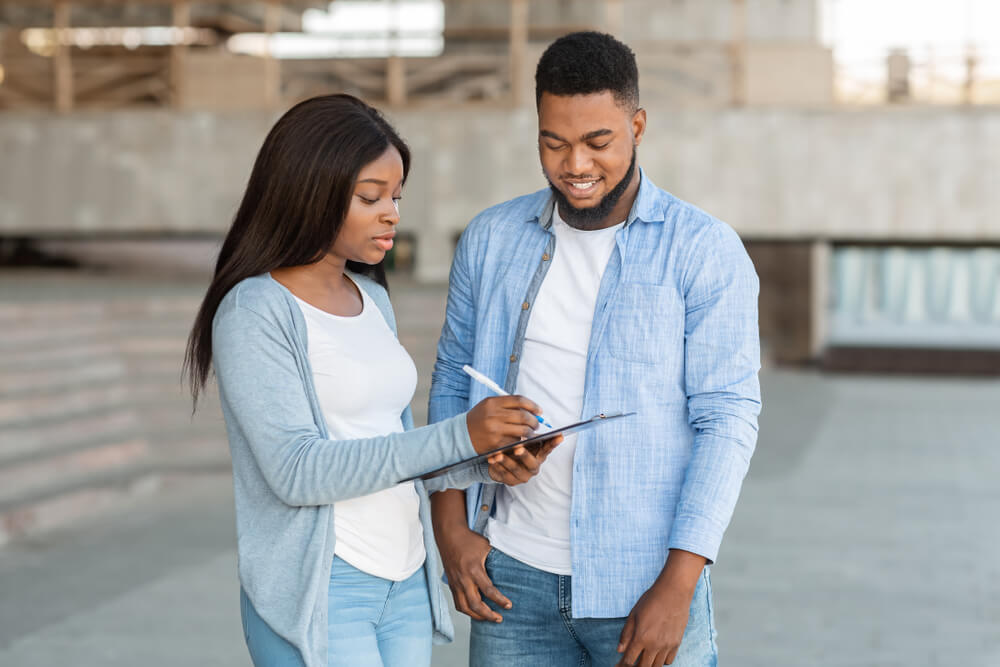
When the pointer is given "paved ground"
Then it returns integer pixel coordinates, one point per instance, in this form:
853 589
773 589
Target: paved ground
866 535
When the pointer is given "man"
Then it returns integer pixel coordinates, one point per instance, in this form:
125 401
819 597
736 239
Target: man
602 293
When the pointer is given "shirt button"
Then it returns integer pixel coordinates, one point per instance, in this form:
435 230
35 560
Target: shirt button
513 358
525 306
485 508
545 257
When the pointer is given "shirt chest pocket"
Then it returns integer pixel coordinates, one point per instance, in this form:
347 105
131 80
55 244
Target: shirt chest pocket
646 323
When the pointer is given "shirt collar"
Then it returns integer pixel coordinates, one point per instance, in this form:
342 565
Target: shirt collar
645 208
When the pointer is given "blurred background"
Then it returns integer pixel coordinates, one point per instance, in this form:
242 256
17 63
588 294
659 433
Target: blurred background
853 144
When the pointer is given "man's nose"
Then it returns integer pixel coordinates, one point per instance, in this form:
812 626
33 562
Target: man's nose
579 161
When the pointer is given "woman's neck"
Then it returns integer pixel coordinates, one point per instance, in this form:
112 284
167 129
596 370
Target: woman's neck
323 285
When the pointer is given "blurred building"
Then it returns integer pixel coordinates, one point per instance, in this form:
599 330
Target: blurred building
872 216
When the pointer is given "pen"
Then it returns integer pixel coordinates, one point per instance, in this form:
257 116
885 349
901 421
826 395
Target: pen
497 389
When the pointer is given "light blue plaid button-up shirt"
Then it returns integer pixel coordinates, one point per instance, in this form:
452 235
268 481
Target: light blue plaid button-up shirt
674 338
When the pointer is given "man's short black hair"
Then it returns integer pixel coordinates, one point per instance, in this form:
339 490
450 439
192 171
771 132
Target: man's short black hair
582 63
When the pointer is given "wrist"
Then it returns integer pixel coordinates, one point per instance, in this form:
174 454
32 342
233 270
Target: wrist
681 572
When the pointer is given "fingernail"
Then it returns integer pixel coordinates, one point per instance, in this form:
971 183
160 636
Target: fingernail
508 605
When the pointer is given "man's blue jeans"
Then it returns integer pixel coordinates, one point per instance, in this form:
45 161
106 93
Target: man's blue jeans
540 631
373 622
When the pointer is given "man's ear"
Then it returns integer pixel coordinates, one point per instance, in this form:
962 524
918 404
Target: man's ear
638 125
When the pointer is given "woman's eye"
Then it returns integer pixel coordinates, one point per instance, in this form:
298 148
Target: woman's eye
367 200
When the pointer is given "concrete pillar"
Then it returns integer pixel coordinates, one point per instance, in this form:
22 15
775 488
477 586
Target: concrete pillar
614 17
738 51
395 80
272 68
518 46
178 52
898 76
62 65
821 254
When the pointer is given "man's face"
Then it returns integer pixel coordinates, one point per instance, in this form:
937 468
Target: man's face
586 144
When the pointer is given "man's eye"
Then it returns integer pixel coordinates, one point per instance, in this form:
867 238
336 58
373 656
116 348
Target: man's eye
553 148
600 147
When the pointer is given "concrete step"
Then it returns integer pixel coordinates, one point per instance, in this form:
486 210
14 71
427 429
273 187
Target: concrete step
40 313
22 478
18 337
63 404
58 381
92 408
101 370
64 502
34 438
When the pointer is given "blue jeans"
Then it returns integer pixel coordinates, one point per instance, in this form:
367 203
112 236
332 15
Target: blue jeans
373 622
540 629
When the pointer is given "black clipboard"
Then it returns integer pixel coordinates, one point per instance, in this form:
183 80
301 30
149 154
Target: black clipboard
536 439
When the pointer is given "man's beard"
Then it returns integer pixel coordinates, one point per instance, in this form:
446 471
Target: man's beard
593 217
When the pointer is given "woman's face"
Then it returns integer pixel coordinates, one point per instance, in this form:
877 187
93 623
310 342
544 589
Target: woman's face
371 220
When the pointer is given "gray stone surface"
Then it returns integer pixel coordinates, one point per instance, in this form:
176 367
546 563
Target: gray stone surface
866 535
885 174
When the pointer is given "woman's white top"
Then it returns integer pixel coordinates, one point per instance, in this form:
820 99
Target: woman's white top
364 380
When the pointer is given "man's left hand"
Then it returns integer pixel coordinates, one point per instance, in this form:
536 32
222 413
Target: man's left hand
522 464
655 627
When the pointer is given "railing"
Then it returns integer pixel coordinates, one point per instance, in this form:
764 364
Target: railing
57 73
398 81
926 77
65 76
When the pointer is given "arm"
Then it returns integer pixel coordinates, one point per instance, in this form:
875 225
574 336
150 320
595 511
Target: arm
721 356
449 393
261 385
463 552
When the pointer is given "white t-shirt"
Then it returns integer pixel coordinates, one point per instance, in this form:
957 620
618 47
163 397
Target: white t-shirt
364 380
531 522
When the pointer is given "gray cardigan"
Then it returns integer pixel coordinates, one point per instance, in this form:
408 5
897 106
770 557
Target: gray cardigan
287 473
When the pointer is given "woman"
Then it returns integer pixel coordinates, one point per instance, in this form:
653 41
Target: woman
337 563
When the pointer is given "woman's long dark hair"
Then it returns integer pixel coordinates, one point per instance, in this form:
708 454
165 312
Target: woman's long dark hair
295 203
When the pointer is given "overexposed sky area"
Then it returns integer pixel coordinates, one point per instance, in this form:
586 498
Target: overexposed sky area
367 28
865 30
860 31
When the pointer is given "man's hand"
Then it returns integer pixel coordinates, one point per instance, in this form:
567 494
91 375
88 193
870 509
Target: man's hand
654 630
520 465
463 553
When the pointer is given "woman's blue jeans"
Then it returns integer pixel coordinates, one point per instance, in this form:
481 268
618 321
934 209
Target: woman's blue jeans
373 622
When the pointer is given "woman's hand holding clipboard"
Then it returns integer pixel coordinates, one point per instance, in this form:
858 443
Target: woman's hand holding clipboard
535 441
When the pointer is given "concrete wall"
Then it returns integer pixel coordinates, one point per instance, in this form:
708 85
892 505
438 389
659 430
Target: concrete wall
655 20
900 174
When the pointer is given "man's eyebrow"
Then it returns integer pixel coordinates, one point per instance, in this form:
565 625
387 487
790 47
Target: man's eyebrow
586 137
595 134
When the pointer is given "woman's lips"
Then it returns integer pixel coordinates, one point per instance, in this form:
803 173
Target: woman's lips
385 241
